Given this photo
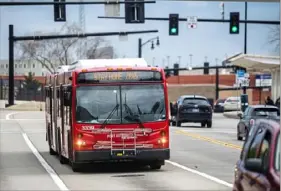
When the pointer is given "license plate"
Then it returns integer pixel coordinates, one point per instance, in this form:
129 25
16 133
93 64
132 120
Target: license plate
195 110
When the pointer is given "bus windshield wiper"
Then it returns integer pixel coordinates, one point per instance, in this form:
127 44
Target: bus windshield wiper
109 116
133 117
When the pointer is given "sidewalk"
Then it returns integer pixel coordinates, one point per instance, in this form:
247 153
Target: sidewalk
232 114
24 106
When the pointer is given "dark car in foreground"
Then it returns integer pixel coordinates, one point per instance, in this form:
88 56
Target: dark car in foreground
258 168
193 109
251 114
219 105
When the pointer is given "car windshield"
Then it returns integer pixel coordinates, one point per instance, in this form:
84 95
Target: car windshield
233 100
195 101
95 103
277 154
274 112
221 101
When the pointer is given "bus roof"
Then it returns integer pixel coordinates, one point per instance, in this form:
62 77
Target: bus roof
98 63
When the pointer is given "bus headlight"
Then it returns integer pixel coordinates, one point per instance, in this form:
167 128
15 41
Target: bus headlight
80 142
163 140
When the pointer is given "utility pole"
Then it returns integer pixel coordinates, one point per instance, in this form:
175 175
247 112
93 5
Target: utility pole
245 39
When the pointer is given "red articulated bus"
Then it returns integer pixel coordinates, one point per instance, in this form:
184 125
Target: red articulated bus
107 110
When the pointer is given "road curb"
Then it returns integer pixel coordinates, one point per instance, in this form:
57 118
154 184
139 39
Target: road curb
32 106
232 115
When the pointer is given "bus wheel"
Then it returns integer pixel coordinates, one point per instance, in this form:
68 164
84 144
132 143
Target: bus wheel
62 159
155 166
51 151
75 167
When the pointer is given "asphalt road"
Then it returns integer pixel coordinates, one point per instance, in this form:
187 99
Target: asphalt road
205 150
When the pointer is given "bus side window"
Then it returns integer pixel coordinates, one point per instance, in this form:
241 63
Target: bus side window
65 110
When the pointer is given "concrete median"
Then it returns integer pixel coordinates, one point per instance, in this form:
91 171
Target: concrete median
26 106
232 114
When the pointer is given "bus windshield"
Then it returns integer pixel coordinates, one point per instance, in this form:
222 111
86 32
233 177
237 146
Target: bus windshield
95 103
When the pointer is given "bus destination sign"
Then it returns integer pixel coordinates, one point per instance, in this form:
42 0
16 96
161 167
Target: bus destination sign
119 76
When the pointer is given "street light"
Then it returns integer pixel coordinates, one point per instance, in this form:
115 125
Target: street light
140 45
152 45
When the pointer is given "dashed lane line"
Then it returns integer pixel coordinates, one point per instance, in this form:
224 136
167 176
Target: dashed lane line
197 136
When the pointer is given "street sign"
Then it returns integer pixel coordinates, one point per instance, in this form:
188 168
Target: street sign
240 73
246 75
245 82
192 22
112 10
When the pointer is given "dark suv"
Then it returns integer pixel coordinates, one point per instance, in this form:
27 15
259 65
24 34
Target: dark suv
259 165
193 109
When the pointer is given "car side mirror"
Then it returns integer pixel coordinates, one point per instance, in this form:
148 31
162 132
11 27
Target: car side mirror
240 115
255 165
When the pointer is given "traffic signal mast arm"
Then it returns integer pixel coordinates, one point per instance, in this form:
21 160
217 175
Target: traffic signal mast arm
72 3
203 20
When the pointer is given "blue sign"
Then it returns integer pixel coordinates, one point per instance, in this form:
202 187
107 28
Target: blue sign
240 73
263 76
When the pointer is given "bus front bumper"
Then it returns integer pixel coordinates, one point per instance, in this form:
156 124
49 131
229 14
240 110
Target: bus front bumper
107 155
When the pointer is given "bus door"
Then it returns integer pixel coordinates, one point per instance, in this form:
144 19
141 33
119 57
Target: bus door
59 117
51 135
66 111
62 117
54 117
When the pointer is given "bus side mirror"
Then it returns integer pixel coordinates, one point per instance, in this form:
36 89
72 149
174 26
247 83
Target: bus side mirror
67 99
67 96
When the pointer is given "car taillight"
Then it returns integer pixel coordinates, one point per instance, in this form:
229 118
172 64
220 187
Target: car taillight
252 122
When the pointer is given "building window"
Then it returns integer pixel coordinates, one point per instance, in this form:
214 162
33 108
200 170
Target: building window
33 65
16 65
24 65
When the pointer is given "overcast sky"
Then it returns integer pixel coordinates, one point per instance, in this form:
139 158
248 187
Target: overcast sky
209 39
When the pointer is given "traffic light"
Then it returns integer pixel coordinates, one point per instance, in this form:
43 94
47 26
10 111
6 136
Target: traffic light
174 24
234 23
176 69
206 68
59 12
134 12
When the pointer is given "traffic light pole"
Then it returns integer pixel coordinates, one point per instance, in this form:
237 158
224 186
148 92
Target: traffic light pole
203 20
245 38
13 39
140 45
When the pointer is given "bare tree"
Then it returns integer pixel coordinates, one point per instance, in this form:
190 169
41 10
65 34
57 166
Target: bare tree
50 53
274 37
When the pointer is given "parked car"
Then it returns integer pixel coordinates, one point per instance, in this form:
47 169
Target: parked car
252 113
259 165
232 104
193 109
219 105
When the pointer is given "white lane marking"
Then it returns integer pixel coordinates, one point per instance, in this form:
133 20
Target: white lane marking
200 174
47 167
9 115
